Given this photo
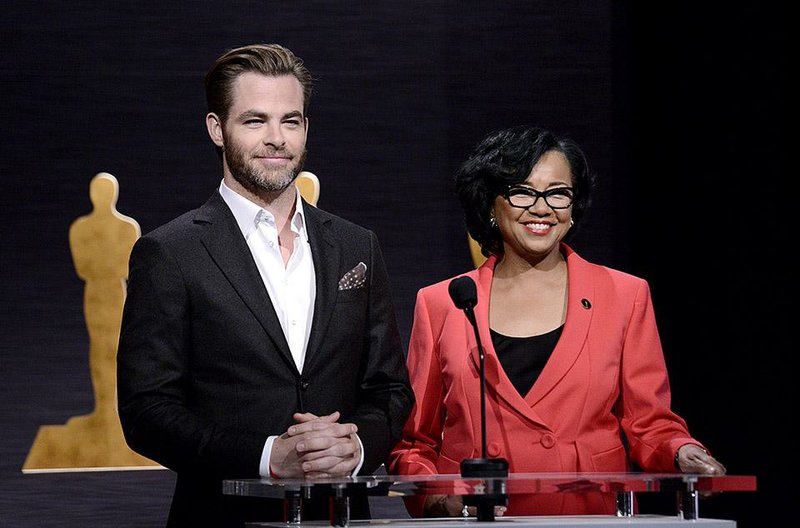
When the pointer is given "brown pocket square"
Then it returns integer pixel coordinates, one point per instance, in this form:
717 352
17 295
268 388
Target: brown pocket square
355 278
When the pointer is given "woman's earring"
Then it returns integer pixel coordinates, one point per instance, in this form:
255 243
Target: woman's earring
492 221
571 222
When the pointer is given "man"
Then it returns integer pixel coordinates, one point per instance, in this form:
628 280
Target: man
258 336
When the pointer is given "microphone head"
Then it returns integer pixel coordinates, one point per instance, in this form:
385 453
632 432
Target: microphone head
463 292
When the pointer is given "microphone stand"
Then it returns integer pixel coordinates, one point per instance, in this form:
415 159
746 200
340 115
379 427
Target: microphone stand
493 470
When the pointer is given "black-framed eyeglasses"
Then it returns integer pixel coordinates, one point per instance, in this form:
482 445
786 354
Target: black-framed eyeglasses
524 197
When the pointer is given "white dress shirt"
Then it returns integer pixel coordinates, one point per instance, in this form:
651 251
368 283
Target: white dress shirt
291 286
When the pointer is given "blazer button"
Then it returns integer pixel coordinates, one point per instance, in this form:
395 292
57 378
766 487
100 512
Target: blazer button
304 385
493 450
548 440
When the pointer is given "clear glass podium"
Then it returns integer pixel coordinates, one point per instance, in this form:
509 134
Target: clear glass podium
686 487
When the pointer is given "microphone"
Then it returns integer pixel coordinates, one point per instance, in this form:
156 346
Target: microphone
464 294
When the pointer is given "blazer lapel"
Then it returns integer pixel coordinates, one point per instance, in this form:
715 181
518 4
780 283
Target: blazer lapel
327 255
496 379
566 352
223 240
579 316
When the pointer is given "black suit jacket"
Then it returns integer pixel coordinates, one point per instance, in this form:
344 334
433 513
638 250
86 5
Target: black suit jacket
205 373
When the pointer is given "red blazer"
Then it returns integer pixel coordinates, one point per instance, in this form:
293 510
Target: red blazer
605 379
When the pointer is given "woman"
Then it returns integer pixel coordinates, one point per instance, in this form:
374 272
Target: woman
576 378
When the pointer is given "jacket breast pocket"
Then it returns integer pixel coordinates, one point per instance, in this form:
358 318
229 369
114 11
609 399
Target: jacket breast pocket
351 296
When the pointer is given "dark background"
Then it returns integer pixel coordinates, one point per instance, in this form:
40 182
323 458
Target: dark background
679 106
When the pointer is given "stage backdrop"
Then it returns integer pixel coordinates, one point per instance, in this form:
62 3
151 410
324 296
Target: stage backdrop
679 111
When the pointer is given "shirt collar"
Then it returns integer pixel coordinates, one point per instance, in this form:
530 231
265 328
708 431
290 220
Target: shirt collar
249 214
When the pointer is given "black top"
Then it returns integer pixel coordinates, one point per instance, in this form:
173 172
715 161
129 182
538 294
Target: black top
523 358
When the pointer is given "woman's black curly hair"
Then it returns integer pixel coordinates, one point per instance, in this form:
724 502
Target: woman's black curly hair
506 158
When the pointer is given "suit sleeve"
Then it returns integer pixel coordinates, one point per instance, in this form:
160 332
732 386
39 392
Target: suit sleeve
653 431
418 450
152 372
385 397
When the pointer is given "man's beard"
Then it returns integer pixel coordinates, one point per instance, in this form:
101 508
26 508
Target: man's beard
257 178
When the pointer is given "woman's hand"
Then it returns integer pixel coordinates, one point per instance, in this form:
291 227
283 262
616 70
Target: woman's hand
692 458
453 506
443 506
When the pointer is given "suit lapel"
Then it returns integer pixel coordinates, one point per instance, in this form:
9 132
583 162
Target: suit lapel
223 240
566 352
576 331
496 378
326 253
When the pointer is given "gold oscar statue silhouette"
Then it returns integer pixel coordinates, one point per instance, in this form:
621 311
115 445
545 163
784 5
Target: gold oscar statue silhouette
478 258
100 243
308 185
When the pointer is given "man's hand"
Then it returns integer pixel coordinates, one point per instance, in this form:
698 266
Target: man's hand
316 447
